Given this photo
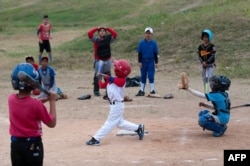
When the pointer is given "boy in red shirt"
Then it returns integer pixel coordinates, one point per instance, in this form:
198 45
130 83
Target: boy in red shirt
30 59
44 36
26 115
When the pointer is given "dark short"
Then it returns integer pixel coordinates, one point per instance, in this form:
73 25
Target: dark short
27 151
44 46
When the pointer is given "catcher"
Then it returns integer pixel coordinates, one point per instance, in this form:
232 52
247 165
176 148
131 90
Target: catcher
215 121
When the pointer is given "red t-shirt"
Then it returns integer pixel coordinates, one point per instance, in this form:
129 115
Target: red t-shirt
44 31
26 115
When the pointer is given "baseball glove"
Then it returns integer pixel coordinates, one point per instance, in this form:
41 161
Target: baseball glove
127 99
183 84
168 96
84 97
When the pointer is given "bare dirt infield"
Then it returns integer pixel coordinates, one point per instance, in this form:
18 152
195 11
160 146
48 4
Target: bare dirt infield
174 137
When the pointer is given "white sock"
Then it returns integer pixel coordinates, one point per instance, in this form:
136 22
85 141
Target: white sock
142 87
152 87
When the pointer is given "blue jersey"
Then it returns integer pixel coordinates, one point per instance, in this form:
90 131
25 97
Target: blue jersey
221 103
147 49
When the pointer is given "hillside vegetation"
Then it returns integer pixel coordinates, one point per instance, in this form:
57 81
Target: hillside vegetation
177 26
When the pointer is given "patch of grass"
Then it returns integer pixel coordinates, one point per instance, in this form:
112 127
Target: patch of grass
177 26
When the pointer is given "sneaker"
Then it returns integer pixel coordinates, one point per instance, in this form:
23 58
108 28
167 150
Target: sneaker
93 141
140 93
152 92
105 97
97 93
140 131
218 134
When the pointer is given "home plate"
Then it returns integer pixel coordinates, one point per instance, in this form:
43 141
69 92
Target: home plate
126 132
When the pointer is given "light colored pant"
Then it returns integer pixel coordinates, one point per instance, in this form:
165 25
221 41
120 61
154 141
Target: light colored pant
210 72
115 119
44 95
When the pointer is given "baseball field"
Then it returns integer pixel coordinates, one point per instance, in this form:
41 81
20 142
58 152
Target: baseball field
173 136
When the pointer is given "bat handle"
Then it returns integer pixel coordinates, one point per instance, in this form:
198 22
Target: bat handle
101 74
47 92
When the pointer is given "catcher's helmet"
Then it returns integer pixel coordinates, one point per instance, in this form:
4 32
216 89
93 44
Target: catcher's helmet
122 68
28 69
219 83
208 33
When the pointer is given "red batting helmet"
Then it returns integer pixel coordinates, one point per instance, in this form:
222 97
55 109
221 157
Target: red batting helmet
122 68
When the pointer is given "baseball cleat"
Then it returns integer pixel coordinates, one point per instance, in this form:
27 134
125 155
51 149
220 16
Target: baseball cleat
218 134
97 93
140 131
93 141
140 93
152 92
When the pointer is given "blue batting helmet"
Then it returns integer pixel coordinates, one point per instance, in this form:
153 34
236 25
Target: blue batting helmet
208 33
28 69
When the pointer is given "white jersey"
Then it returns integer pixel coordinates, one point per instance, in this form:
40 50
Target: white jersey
115 93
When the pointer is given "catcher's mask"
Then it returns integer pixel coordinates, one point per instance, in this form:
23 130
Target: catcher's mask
122 68
219 83
208 33
28 69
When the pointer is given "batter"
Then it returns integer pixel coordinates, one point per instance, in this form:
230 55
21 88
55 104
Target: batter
115 91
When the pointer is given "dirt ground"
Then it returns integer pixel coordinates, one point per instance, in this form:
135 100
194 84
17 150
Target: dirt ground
173 138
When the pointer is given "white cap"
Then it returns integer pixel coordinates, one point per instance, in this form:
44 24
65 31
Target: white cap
149 29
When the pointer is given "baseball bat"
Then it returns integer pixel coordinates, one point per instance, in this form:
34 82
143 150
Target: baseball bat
101 74
30 81
243 105
99 66
233 107
168 96
206 81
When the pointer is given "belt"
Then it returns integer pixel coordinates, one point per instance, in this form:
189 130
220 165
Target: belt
115 102
24 139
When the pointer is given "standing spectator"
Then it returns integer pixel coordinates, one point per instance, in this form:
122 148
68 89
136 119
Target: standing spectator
102 53
47 77
147 61
30 59
206 52
44 36
26 116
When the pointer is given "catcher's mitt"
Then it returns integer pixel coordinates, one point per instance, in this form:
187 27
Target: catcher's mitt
183 84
